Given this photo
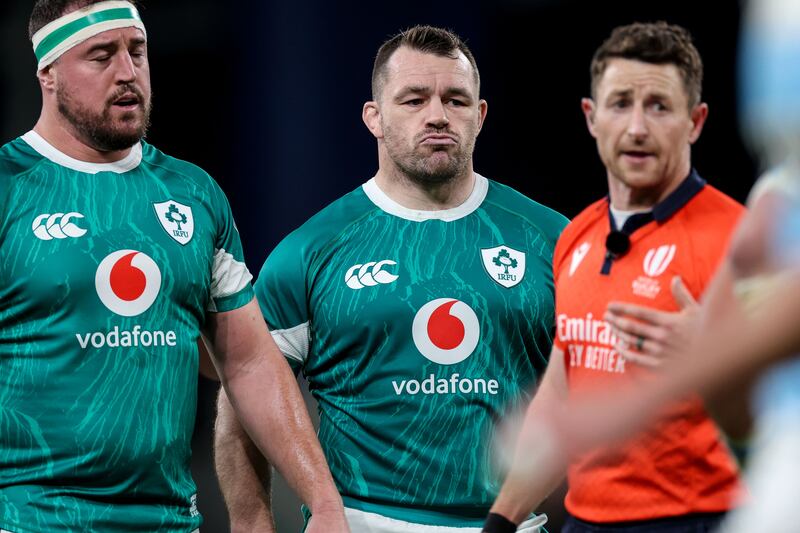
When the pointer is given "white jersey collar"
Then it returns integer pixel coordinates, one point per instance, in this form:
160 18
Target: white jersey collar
129 162
475 199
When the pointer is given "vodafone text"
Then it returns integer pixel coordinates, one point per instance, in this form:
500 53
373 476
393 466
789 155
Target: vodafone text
122 338
455 384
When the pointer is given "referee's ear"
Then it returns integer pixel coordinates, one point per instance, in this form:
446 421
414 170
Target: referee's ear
588 107
371 115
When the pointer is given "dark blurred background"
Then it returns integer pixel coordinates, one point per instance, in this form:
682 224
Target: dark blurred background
267 96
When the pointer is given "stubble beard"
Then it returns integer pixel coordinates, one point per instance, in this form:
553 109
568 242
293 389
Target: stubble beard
99 130
428 169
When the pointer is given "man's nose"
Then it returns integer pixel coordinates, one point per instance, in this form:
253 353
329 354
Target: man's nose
437 114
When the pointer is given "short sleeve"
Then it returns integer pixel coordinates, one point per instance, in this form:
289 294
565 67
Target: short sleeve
281 291
230 278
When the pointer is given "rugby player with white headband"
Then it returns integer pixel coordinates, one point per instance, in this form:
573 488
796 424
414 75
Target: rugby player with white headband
114 258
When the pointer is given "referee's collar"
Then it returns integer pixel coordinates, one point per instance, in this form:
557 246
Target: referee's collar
678 198
663 211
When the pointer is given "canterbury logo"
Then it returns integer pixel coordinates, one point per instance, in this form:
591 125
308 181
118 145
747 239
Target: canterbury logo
57 226
369 274
658 259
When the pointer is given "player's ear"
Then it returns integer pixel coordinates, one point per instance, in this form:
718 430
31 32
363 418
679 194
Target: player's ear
371 115
587 105
47 78
483 108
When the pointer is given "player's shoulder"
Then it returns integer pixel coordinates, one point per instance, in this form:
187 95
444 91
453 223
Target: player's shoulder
549 221
17 157
326 225
158 160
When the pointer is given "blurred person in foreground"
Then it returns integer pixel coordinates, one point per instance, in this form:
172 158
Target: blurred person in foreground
654 242
113 256
419 307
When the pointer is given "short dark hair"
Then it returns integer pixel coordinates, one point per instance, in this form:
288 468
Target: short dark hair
46 11
425 39
658 43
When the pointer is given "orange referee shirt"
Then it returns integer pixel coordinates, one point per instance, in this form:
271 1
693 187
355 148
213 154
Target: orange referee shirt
679 466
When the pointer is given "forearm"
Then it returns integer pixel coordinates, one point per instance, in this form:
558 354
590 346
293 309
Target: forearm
264 394
539 464
271 408
537 470
244 475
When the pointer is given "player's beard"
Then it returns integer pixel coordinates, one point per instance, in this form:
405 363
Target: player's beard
99 130
423 165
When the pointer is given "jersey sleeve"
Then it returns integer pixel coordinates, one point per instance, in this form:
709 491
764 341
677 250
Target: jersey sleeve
230 278
281 291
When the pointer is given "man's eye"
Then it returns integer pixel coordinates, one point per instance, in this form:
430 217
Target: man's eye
619 104
414 102
457 103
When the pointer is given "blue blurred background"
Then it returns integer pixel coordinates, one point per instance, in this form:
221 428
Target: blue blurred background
267 97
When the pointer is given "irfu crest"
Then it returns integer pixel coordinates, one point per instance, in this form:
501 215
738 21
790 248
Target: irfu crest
176 219
504 265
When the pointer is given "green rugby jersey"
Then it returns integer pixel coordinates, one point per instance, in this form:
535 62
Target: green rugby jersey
106 274
417 331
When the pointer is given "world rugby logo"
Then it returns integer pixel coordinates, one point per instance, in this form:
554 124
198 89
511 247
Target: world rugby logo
446 331
128 282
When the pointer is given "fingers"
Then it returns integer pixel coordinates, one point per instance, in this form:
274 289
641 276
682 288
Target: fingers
682 296
639 358
626 328
639 312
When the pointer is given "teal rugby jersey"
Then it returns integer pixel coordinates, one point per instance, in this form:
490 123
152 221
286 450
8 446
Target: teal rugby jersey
106 274
417 331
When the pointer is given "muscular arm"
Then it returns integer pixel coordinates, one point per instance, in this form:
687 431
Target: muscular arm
537 467
264 394
243 473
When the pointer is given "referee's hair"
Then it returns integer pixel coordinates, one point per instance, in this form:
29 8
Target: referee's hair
657 43
425 39
46 11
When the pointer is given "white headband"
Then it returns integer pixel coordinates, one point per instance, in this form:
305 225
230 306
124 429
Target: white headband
73 28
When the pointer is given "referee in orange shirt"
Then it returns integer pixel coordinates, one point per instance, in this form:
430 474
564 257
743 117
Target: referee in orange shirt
654 242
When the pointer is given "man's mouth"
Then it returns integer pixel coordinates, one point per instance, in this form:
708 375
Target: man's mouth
637 155
438 139
127 101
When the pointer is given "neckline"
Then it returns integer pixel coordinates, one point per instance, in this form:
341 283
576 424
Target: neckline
382 201
48 151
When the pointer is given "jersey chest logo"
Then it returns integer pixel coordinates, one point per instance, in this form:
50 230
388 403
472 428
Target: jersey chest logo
176 219
505 265
57 226
370 274
577 256
128 282
446 331
656 261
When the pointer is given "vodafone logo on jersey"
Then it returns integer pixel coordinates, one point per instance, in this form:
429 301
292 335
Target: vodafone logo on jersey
128 282
446 331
